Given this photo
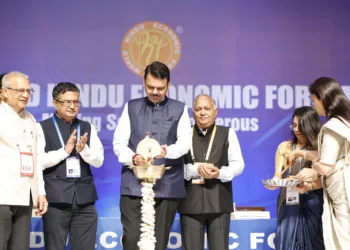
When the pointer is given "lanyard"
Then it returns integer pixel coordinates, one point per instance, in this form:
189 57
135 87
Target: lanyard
59 132
209 147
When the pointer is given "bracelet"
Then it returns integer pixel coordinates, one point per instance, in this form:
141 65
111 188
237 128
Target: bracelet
304 155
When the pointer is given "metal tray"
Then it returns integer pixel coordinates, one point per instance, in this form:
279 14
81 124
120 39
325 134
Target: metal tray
281 183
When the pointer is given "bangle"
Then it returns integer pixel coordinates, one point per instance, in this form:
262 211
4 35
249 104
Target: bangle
304 155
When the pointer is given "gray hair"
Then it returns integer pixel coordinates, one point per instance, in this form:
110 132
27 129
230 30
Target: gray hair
6 80
204 95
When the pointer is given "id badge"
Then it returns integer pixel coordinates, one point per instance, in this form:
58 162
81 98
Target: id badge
292 197
27 164
73 167
198 179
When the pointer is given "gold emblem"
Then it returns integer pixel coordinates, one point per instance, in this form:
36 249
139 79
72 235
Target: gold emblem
147 42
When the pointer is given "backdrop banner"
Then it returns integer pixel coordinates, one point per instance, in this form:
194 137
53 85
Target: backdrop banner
244 234
255 58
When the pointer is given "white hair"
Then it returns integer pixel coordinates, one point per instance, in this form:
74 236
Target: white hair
204 95
6 80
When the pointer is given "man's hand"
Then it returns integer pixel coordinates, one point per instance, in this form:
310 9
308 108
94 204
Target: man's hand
42 205
81 143
214 173
71 142
208 171
163 152
139 160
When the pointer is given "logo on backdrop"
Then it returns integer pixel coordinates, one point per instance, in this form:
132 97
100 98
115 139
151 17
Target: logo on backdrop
147 42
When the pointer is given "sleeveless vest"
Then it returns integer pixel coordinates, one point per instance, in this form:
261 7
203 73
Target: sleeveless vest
59 188
213 196
161 122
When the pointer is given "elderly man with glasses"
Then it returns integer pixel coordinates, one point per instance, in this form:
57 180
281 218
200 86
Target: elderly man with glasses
21 180
67 148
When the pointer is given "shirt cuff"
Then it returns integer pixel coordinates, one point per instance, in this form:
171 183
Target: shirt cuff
41 192
85 152
41 187
221 175
130 161
168 153
63 153
192 169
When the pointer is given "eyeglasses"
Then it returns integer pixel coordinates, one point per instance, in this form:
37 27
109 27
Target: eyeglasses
21 91
67 103
293 127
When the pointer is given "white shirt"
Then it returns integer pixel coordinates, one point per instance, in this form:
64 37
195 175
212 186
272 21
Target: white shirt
174 151
18 135
235 161
93 155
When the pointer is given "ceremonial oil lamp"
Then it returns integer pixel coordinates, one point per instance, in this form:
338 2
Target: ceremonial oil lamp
148 174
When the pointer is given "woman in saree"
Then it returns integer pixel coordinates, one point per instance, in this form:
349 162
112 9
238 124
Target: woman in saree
331 160
299 208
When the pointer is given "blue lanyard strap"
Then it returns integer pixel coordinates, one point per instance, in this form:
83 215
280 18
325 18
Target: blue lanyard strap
59 132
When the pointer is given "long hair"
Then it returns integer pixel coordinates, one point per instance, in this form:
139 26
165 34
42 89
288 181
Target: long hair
329 92
309 125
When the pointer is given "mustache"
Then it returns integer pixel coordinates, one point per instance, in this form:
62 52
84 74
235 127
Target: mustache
155 95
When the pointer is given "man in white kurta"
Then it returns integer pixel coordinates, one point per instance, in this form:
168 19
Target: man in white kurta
21 181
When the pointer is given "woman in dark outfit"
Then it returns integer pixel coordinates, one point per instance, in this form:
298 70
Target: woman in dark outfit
299 208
